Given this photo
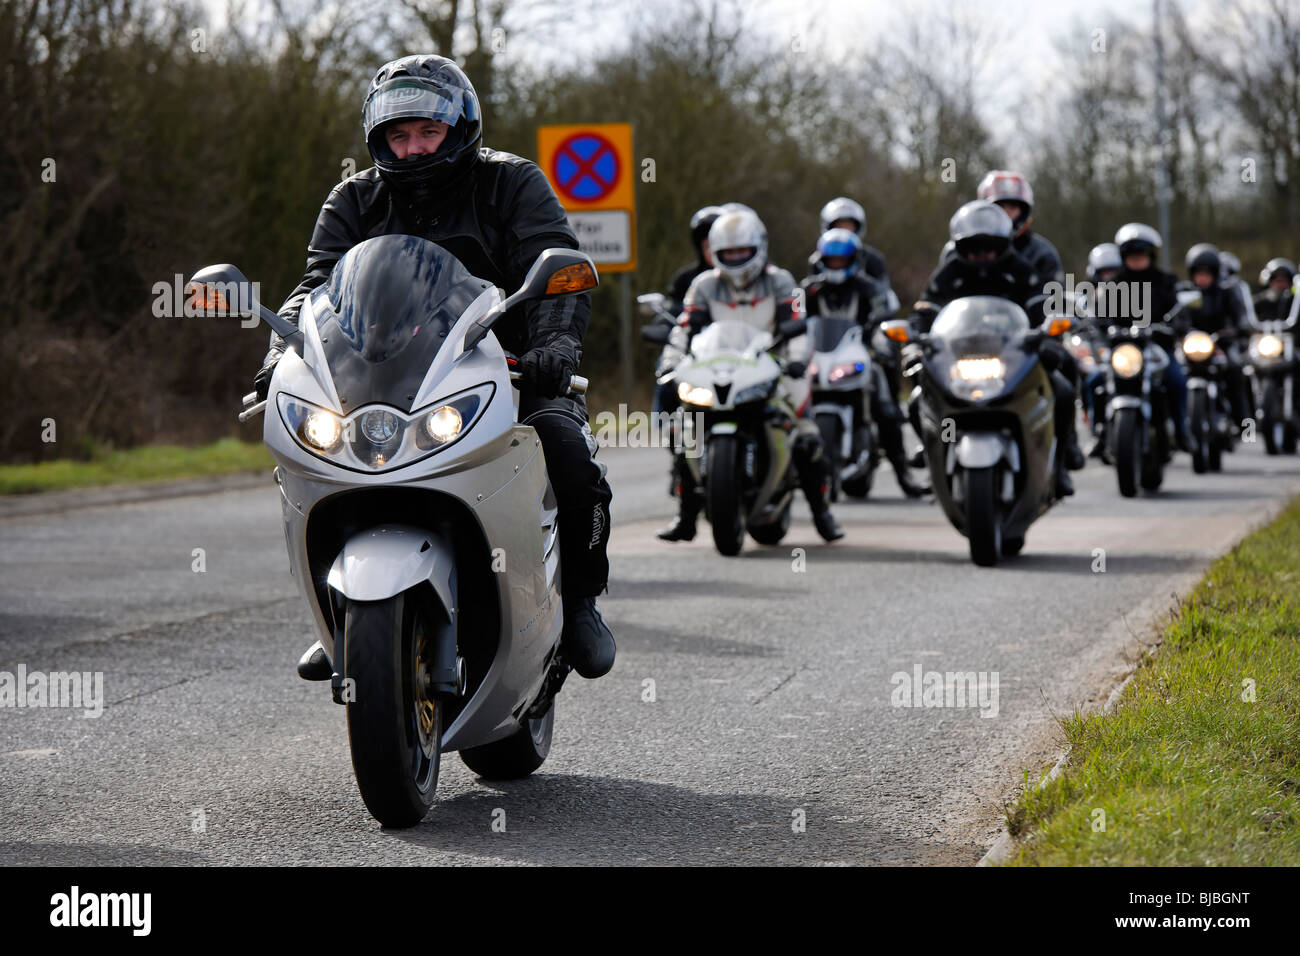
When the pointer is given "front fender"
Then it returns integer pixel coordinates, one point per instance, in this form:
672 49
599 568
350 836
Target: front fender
387 559
984 450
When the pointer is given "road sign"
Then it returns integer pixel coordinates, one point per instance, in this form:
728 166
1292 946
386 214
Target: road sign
591 168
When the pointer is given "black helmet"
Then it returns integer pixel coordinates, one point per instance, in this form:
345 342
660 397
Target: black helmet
423 86
1203 256
1273 267
701 222
980 225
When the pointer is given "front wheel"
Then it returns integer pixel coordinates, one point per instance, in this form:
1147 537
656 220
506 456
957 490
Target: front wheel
774 532
1128 450
1272 425
394 722
860 487
726 506
1198 417
983 522
830 426
515 756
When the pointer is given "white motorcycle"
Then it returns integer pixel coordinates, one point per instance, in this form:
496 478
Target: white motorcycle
841 375
420 524
731 381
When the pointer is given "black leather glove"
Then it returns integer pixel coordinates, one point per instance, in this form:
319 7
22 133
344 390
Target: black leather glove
548 371
262 380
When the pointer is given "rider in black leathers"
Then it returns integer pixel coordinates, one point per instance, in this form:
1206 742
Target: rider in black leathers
984 263
1222 312
840 285
496 213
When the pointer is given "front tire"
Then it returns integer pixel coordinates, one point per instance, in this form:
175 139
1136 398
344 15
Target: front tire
726 507
1272 425
394 724
516 756
983 521
830 426
1128 451
774 532
1198 418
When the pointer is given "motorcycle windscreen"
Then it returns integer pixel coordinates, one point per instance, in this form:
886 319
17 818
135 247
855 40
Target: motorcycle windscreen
826 334
385 313
718 338
979 354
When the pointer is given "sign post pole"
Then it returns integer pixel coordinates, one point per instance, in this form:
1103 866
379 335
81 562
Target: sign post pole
625 335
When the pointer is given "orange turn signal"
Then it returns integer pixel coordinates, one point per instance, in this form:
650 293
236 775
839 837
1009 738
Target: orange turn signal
1058 327
897 333
575 278
206 297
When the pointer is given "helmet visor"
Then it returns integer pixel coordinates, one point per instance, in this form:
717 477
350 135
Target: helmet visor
409 98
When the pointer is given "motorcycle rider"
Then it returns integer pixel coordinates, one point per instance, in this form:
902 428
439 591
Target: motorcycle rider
1220 313
701 222
1012 192
496 213
843 213
1138 244
1273 302
841 289
985 263
1104 262
744 285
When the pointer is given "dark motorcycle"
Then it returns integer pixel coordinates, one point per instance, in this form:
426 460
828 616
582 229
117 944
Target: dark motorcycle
987 413
1209 409
1272 365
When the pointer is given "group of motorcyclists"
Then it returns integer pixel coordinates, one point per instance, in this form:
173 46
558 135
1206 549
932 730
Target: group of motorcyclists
991 251
496 214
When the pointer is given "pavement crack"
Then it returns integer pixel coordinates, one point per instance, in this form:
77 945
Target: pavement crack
154 690
785 680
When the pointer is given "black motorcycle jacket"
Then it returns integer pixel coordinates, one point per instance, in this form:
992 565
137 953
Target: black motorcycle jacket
1163 295
1221 310
1040 254
1272 306
496 219
861 298
1007 277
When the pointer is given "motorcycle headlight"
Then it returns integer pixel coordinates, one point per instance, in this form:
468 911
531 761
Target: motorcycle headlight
976 378
1126 360
321 429
695 394
379 438
1198 346
1269 346
443 424
845 370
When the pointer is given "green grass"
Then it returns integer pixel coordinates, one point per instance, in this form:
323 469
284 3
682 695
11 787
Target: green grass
150 463
1186 771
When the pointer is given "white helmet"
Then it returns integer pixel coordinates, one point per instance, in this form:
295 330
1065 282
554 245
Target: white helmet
739 230
844 208
1104 256
1137 236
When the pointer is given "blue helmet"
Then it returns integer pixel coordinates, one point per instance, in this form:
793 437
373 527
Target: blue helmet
838 243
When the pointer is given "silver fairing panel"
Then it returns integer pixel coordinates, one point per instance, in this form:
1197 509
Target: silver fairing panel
496 469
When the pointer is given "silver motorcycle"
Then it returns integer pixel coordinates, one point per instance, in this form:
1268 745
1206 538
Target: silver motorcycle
420 524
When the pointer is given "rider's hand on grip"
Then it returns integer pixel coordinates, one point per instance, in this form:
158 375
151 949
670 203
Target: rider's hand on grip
547 371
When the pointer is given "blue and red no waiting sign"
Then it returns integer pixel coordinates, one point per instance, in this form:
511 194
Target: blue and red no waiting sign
586 167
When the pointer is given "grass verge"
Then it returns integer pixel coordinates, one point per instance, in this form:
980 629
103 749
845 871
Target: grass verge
1198 763
149 463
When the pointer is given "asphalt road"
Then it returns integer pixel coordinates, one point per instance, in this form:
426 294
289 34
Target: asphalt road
772 735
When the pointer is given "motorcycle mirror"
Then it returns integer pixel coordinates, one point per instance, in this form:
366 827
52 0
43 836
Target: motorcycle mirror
223 290
657 333
1189 298
896 330
556 273
649 303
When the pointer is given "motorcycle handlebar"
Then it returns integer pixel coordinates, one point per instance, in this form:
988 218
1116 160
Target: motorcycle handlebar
577 384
